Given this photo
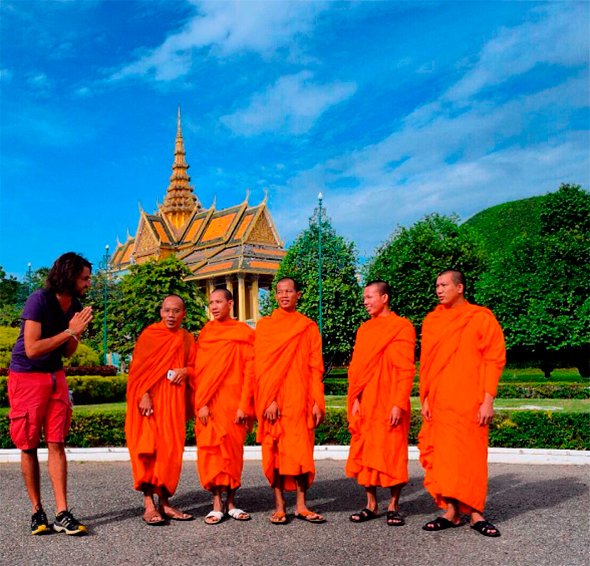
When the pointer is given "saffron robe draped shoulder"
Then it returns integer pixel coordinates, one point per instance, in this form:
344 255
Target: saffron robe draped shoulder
289 370
462 358
224 372
380 376
156 442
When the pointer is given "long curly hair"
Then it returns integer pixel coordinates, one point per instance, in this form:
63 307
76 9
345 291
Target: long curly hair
64 272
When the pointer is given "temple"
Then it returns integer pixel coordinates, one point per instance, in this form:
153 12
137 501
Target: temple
237 247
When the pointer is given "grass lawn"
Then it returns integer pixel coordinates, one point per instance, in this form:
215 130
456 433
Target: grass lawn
339 402
562 405
525 375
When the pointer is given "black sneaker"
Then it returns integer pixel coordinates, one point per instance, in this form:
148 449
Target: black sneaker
39 523
65 522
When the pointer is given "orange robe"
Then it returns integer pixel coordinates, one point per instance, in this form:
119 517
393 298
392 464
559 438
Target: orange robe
289 370
156 442
223 381
462 357
380 374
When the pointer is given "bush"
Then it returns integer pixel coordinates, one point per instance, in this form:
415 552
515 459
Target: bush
550 390
83 356
540 429
8 338
543 391
517 429
87 390
91 370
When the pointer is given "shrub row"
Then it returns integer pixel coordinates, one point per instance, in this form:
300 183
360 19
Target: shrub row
522 429
87 390
555 390
79 370
95 389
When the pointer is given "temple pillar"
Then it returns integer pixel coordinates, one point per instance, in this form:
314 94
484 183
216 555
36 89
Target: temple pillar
254 298
241 297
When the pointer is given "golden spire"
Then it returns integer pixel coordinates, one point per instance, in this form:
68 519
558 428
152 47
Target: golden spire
180 201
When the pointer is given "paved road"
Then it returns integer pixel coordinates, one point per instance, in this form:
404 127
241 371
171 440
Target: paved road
543 512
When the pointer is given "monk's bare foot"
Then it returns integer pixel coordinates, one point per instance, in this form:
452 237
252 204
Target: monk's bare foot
278 518
238 514
310 516
153 517
453 518
175 514
214 517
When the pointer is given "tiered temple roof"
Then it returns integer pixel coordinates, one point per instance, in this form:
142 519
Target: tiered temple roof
241 239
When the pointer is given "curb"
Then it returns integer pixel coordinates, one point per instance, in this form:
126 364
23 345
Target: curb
495 455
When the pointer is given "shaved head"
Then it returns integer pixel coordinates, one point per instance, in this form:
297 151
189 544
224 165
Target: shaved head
382 286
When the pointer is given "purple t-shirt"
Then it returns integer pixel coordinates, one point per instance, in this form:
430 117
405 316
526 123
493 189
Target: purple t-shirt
42 306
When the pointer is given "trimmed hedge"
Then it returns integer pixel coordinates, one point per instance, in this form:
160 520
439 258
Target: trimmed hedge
80 370
550 390
516 429
87 389
96 389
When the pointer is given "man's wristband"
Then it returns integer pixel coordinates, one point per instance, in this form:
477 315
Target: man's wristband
72 334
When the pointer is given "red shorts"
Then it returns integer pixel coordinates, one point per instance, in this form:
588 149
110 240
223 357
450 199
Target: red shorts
38 401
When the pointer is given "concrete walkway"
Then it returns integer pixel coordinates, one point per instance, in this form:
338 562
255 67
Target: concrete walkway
495 455
542 511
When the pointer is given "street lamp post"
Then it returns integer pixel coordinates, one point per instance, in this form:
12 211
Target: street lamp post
29 278
106 298
320 197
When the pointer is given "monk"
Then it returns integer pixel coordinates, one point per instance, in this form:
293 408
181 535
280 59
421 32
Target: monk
289 396
462 357
380 380
155 427
223 404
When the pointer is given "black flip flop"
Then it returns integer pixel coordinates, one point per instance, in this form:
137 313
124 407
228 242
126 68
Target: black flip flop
439 524
364 515
483 528
394 519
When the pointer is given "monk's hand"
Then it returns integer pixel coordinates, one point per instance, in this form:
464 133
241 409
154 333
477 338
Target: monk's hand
356 407
272 412
203 414
145 405
241 417
485 415
180 376
426 410
318 414
395 416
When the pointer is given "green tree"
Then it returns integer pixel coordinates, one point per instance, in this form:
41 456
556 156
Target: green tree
538 288
10 299
412 258
139 296
94 335
342 309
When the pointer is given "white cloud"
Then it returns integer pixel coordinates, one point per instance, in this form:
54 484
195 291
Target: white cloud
444 161
225 28
557 37
6 75
291 105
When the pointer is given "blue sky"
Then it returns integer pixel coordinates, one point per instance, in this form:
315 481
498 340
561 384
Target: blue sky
393 110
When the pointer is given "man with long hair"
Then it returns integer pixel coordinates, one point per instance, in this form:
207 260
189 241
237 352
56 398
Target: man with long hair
53 321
